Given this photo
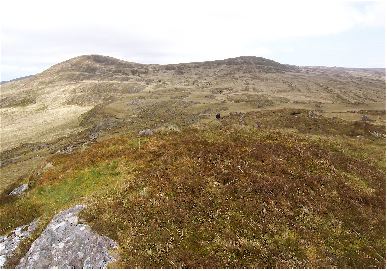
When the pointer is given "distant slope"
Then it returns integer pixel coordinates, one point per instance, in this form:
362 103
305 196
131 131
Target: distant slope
49 105
16 79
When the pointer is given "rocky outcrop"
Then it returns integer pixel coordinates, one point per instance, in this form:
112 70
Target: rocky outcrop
146 132
19 190
8 244
66 243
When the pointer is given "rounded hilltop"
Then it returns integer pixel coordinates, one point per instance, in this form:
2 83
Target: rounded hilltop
90 67
86 62
257 64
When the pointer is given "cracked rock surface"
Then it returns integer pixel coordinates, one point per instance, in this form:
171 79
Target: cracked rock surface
8 244
65 243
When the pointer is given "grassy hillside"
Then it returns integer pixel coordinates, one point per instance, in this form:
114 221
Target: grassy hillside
49 105
279 188
88 97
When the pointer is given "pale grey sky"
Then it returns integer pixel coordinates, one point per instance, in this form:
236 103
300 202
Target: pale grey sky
37 34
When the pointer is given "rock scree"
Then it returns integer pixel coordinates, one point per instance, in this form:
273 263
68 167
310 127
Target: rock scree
66 243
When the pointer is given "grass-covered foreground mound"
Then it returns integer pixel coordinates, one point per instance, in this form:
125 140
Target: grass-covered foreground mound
232 198
224 197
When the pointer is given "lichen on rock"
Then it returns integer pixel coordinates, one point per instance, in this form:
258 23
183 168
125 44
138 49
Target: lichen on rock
8 244
66 243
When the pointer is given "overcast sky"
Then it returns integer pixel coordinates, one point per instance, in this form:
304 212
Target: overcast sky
37 34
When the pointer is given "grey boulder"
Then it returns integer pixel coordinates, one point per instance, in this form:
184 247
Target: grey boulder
66 243
8 244
19 190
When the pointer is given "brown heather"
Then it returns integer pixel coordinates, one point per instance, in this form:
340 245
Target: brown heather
233 195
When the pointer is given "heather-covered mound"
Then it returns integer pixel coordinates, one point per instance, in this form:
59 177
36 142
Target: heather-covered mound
230 194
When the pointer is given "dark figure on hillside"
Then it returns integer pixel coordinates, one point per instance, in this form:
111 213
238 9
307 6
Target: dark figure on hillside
218 116
365 118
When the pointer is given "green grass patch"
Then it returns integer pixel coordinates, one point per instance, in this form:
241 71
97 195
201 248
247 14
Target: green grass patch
47 199
83 184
